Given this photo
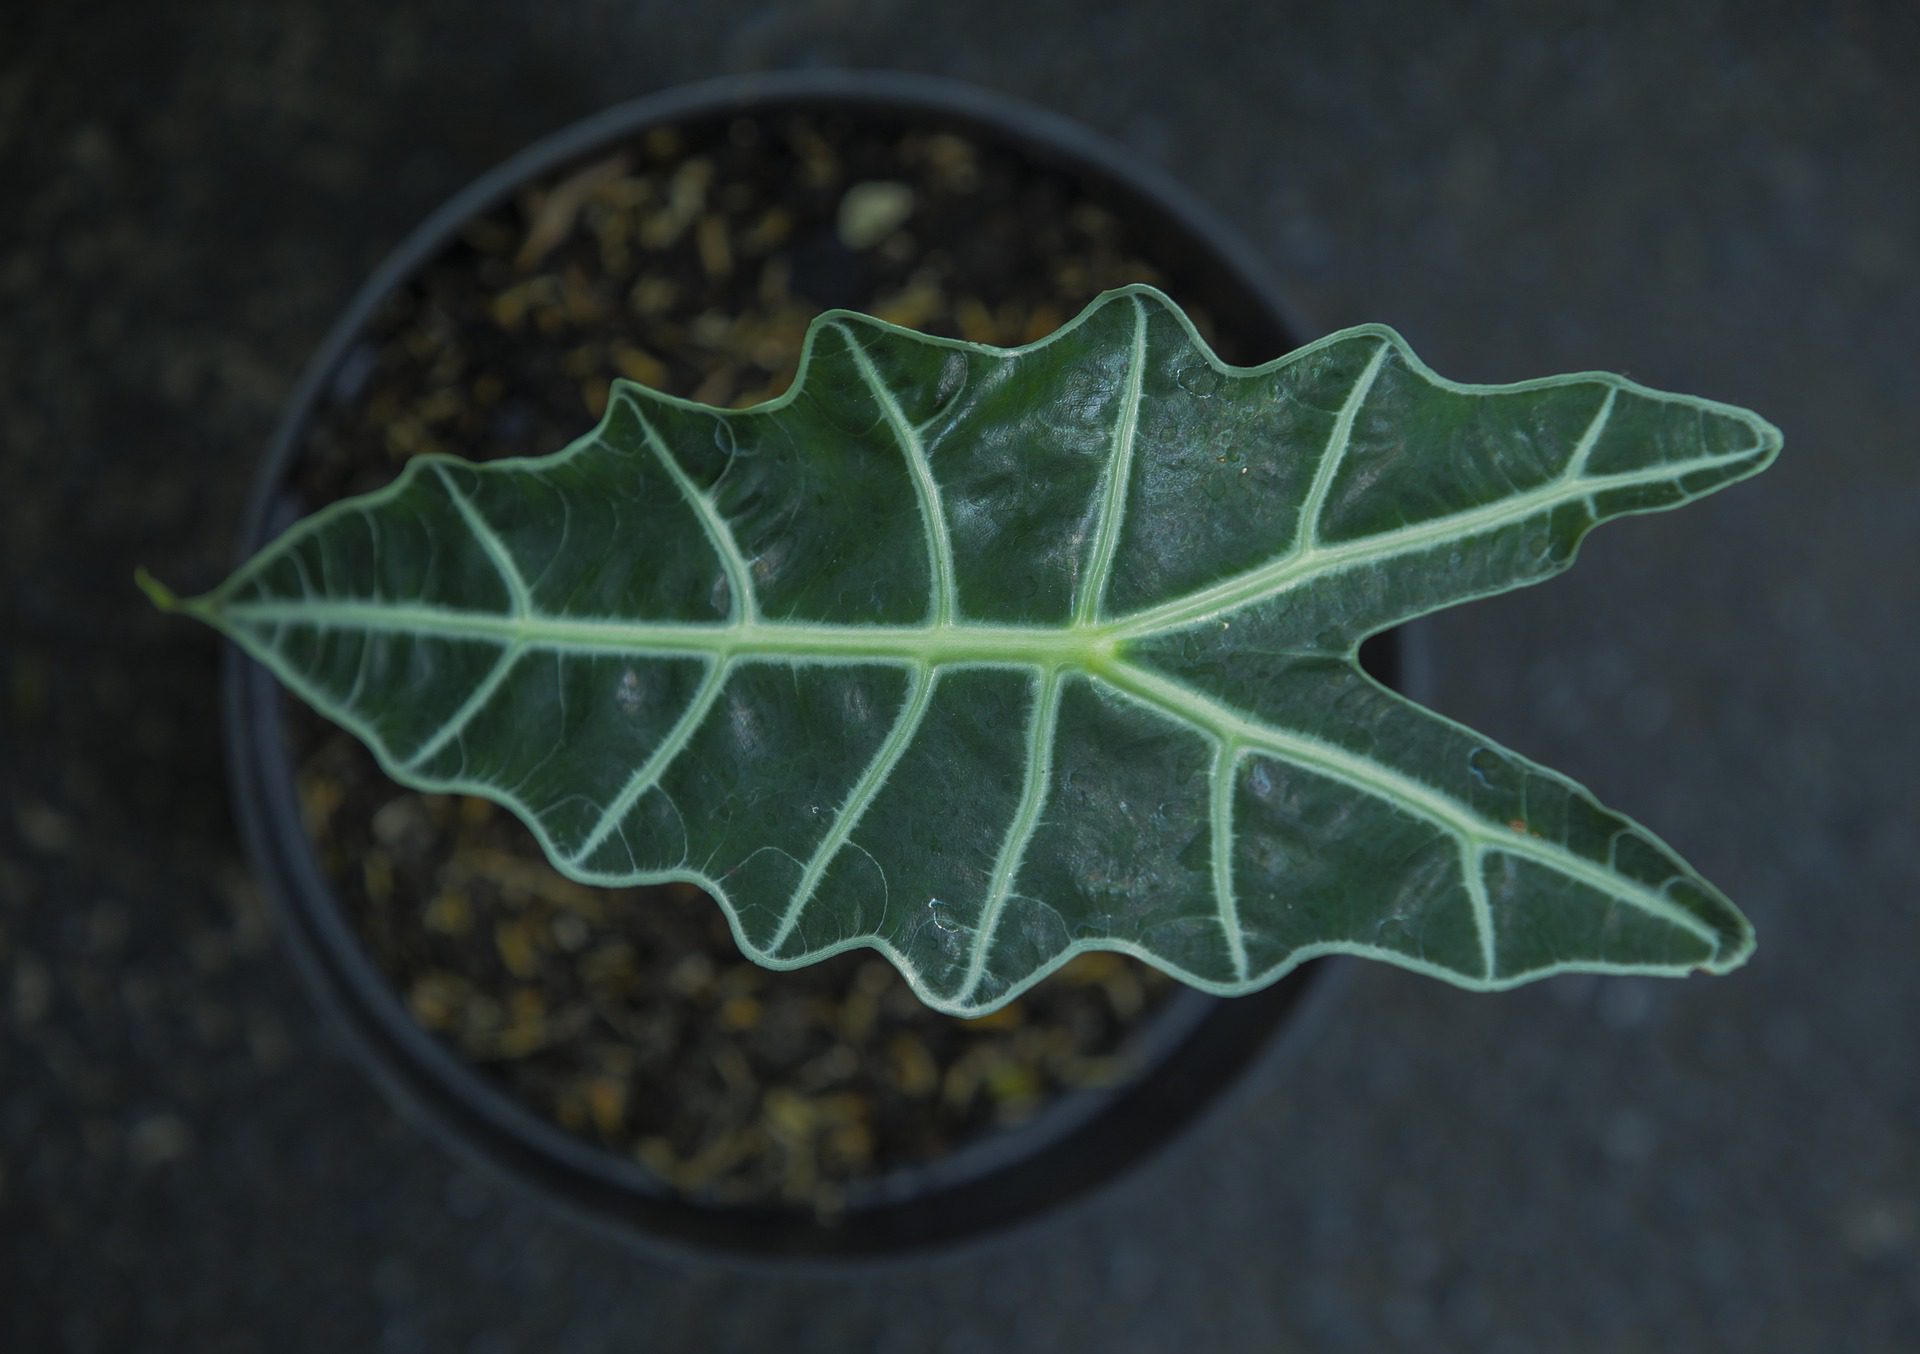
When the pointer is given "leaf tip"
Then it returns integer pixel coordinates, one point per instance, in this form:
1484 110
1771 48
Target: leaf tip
1735 945
162 596
1760 452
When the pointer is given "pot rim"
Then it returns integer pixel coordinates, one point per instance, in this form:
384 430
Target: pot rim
1174 1091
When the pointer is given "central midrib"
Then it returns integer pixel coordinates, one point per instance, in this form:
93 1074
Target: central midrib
1085 646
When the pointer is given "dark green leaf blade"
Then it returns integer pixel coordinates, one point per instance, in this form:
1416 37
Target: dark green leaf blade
984 657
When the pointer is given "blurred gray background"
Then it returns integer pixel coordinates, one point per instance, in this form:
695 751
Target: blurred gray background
1723 199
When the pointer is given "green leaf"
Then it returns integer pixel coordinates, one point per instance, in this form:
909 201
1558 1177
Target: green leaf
985 657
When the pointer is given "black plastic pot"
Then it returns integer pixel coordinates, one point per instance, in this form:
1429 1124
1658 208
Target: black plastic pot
1188 1055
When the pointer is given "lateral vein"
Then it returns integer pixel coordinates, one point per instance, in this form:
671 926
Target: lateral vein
1041 728
1113 507
739 580
1307 530
648 774
503 561
1471 858
926 489
476 701
1220 820
899 738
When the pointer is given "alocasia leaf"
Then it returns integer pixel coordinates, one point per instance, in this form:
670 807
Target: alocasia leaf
984 657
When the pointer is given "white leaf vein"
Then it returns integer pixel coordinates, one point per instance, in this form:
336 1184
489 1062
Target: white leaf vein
913 709
744 605
945 603
496 549
648 773
1220 825
1042 727
1118 479
1306 531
